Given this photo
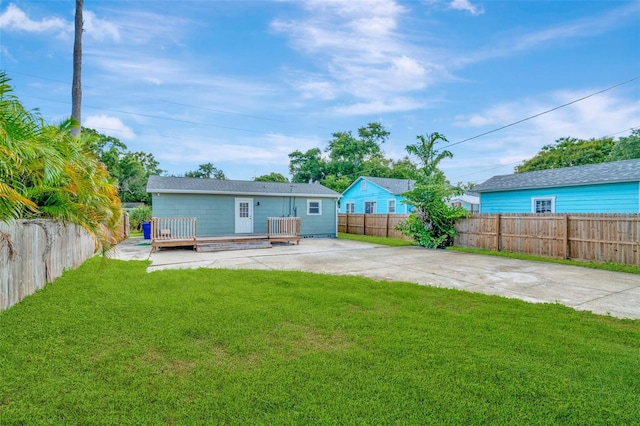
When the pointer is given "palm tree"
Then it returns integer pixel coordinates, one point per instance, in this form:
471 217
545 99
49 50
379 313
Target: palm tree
18 148
76 87
46 172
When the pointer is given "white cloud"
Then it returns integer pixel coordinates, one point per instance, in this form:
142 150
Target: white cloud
601 115
99 29
361 53
14 19
466 6
112 126
317 89
379 106
508 44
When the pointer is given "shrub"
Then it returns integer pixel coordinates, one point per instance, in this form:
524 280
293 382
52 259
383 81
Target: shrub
139 215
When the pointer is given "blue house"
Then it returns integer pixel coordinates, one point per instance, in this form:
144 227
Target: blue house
468 201
376 195
595 188
228 207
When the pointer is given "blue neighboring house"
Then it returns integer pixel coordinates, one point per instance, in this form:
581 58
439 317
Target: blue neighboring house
595 188
469 201
376 195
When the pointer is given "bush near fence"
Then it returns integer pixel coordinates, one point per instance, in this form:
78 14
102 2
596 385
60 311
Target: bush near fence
36 252
375 225
589 237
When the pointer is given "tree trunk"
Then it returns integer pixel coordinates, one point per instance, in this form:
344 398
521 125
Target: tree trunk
76 87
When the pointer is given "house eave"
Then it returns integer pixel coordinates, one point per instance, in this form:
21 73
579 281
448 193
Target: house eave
250 193
562 185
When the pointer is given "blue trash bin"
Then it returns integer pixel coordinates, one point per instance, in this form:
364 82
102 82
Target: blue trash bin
146 230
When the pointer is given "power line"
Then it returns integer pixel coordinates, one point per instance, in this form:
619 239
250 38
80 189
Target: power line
546 112
168 102
226 112
520 161
179 120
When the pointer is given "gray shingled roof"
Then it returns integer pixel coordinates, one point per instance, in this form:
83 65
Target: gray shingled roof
182 185
394 186
617 171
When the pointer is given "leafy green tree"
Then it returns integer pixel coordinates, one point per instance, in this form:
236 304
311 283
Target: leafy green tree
350 156
432 221
403 169
337 183
466 186
347 158
307 167
627 148
567 152
272 177
206 171
130 169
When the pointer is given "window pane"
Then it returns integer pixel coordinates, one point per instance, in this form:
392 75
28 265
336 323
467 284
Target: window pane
244 210
543 206
392 206
370 207
314 207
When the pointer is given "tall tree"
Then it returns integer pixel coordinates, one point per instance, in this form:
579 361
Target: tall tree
307 167
76 87
567 152
206 171
348 157
131 170
627 148
271 177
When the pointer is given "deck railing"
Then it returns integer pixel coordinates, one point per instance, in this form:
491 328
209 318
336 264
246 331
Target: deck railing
283 227
173 228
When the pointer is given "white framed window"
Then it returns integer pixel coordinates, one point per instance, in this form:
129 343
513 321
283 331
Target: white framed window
543 205
314 207
363 185
370 207
391 206
350 207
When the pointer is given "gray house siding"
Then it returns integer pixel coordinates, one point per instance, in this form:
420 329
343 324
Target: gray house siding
215 214
213 203
323 225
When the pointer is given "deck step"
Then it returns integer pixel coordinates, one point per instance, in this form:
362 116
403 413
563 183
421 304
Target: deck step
230 245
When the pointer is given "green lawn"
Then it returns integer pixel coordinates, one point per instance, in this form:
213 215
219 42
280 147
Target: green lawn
110 344
607 266
393 242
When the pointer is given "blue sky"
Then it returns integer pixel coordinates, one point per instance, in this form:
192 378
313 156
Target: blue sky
242 84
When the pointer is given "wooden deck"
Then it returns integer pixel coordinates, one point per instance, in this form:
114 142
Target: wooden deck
181 232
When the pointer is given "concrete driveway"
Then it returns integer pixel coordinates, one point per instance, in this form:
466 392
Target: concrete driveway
602 292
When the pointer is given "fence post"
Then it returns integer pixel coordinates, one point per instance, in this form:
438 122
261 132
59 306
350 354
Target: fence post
565 228
497 232
346 225
387 227
364 224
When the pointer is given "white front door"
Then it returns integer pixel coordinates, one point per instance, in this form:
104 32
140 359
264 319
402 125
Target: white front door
244 215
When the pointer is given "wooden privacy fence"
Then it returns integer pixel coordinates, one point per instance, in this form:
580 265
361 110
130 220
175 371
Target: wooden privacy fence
591 237
35 252
376 225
